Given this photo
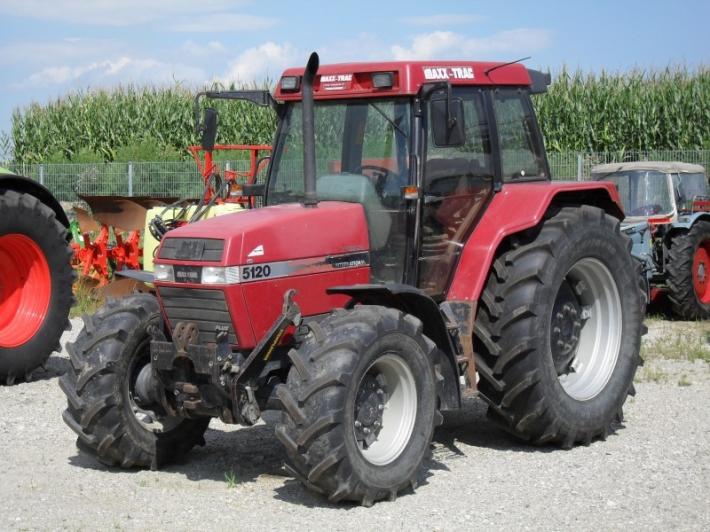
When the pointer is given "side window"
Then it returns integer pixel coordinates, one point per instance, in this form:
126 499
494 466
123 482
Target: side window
521 148
457 183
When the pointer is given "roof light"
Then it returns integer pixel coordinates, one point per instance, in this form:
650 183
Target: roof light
290 83
382 80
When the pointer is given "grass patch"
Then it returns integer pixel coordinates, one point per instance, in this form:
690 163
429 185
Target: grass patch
231 479
688 343
651 373
88 300
684 380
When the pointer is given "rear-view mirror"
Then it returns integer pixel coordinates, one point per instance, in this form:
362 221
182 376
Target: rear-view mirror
209 128
447 122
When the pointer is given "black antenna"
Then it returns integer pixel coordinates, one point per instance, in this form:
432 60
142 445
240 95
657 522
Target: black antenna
489 70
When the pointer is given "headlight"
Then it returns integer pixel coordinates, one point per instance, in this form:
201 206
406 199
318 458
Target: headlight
164 272
220 274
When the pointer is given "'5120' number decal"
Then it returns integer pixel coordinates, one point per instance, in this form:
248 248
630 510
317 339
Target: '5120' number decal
258 271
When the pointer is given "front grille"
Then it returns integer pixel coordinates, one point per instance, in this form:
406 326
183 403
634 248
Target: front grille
203 249
205 308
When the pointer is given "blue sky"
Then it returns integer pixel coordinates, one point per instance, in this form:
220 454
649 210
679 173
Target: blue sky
51 47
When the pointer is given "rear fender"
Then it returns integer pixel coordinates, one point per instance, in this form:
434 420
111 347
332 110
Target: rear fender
411 300
515 208
25 185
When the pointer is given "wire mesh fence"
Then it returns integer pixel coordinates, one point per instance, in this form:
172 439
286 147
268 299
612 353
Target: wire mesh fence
182 180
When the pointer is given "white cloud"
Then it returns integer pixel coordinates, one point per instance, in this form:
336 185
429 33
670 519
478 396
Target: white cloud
111 71
450 45
265 61
442 20
111 12
223 22
53 52
190 47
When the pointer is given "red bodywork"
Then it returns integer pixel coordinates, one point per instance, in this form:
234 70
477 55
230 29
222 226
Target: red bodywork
293 233
332 80
289 232
515 208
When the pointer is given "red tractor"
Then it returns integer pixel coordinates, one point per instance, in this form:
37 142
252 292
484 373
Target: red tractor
412 251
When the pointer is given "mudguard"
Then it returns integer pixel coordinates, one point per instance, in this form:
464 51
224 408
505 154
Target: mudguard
517 207
413 301
26 185
686 221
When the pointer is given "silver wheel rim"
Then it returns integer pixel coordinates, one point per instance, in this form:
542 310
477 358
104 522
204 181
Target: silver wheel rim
398 398
600 335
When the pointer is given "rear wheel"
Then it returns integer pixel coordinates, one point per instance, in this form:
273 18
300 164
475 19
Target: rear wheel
557 336
35 284
107 386
689 273
360 404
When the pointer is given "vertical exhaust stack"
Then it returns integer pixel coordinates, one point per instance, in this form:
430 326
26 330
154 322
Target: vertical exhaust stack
309 142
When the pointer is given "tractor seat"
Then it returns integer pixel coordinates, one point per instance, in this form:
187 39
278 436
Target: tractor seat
355 188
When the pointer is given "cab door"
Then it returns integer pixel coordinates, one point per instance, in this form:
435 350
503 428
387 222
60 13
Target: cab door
458 182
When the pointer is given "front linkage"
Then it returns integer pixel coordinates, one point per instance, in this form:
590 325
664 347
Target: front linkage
192 380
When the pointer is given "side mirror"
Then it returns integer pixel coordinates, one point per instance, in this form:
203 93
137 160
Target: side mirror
209 128
447 122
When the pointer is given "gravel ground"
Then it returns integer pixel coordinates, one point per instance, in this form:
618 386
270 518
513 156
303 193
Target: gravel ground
653 474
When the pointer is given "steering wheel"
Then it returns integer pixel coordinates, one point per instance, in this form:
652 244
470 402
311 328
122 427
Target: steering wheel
646 210
379 175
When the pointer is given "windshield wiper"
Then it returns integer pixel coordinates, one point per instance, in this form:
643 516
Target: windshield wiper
394 124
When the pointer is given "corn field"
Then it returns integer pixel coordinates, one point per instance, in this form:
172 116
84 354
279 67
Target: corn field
661 110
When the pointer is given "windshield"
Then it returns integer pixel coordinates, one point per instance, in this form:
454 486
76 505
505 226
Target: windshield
688 186
362 156
643 192
364 137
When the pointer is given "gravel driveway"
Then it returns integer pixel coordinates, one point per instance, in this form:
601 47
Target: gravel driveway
653 474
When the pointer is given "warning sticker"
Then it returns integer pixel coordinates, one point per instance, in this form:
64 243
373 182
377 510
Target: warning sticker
444 73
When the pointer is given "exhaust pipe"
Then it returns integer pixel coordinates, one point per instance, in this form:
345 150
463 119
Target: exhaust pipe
309 143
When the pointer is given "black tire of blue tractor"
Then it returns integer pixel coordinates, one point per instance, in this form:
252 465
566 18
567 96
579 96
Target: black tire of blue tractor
518 379
25 214
99 410
319 402
681 292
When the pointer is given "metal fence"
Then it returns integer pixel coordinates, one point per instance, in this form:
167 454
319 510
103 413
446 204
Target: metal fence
181 179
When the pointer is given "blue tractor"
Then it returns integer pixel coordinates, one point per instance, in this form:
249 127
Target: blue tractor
667 208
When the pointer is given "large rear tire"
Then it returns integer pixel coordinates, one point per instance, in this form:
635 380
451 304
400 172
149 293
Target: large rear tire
35 284
360 404
558 332
689 273
104 410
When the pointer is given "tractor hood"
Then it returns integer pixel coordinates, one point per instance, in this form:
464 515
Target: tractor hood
270 234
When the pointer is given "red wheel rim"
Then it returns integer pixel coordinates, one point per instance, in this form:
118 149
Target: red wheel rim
701 272
25 289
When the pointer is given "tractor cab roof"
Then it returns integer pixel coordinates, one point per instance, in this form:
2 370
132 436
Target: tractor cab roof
404 78
666 167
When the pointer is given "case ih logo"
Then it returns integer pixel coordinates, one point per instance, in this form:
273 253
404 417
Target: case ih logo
448 73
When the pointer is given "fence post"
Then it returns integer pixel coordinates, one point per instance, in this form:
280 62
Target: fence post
130 179
580 166
41 174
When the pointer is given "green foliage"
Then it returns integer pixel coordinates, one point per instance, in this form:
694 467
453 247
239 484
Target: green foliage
128 123
664 110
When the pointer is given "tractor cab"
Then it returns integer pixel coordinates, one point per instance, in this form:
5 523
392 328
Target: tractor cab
422 157
658 192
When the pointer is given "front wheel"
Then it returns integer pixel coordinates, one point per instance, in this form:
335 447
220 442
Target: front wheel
558 333
360 404
107 405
